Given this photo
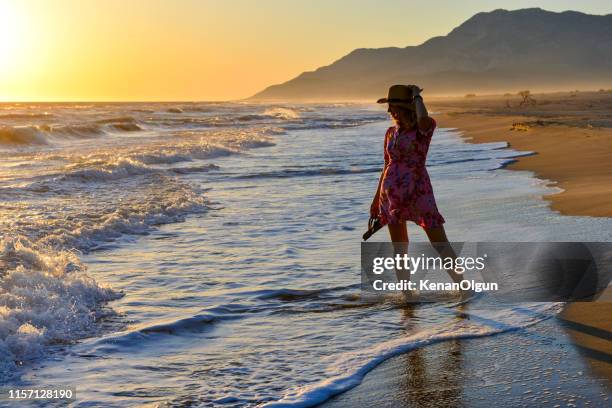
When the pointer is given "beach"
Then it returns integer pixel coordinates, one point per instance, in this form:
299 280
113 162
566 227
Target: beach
571 134
565 361
199 204
208 254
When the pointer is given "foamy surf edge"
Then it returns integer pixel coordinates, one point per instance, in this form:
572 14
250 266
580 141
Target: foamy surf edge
46 298
354 366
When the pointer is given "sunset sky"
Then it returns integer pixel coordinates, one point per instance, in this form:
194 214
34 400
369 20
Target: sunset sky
67 50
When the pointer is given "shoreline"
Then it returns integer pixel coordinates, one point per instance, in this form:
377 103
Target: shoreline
586 180
565 360
570 154
535 366
569 151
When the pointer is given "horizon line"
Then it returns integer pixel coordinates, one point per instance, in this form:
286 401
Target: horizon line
277 100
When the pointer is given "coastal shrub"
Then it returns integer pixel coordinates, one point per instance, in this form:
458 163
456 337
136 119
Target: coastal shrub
528 99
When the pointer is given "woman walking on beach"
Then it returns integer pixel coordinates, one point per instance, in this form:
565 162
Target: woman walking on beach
404 190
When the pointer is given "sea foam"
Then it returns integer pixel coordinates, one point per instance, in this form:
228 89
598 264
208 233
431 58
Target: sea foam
45 298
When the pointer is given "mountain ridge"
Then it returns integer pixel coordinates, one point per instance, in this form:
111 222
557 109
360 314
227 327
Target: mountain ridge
496 50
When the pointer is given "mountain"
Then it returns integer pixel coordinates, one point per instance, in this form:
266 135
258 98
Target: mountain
495 51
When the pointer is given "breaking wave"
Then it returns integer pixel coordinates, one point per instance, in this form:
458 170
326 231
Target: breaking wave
47 134
282 113
22 135
45 298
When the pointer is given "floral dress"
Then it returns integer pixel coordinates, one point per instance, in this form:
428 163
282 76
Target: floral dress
406 193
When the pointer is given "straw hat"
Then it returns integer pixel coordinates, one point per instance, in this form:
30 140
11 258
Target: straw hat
400 95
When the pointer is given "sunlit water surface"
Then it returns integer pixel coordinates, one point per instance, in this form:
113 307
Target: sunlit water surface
208 254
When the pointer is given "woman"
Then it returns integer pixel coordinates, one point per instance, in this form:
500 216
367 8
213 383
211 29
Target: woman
404 190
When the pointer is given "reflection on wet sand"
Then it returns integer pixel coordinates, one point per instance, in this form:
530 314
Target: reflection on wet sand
429 379
539 365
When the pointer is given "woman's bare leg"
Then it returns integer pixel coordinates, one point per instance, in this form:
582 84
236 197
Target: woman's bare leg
437 235
399 238
398 232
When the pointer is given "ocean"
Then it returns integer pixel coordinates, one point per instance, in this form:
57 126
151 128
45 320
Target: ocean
207 254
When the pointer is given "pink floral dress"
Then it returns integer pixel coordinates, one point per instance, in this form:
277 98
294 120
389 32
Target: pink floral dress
406 193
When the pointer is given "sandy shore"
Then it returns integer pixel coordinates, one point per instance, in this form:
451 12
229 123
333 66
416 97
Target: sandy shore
566 361
572 136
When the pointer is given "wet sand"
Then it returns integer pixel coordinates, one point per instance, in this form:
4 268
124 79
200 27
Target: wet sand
537 366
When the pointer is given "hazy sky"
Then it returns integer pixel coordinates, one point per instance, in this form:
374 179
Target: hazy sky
207 49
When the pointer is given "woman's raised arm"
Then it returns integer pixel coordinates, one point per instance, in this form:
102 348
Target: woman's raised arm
423 120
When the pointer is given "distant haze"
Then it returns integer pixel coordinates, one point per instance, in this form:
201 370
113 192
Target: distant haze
498 51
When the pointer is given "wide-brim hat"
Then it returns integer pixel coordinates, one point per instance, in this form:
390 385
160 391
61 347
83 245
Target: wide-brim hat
399 95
